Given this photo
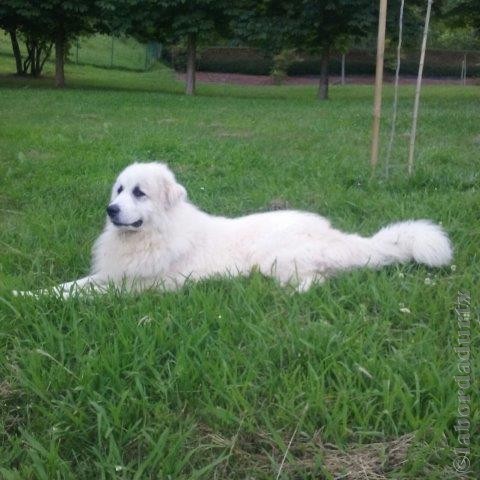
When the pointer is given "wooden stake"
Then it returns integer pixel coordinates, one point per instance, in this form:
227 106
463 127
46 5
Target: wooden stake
377 104
413 133
395 97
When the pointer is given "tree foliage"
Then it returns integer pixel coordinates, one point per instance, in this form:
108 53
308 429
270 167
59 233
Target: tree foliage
20 19
463 13
172 22
310 26
49 22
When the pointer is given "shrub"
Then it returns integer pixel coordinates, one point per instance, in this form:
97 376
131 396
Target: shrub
281 64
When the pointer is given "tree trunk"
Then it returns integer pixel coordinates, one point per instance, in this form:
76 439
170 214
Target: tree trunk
323 87
38 60
34 59
59 60
45 58
191 63
29 61
16 52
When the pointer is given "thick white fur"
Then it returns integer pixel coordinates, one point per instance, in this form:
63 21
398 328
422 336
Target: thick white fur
177 241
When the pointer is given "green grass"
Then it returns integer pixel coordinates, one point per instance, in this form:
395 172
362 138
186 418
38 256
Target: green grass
212 381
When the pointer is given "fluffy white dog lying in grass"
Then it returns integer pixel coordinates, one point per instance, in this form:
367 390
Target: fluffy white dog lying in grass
155 237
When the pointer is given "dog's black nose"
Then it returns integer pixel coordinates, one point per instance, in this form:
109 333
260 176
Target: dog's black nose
113 210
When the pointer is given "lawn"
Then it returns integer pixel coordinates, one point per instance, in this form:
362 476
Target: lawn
233 378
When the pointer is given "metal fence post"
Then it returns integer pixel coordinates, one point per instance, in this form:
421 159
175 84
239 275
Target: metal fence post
111 53
463 75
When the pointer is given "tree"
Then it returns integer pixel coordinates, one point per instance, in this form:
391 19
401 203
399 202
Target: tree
64 21
21 23
173 21
325 26
10 21
311 26
51 21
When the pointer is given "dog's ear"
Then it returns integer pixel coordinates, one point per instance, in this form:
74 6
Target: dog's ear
173 193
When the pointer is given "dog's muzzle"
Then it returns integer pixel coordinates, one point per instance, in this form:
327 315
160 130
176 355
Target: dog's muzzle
113 211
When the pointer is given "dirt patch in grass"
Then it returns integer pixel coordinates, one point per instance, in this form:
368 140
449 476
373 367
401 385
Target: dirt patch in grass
370 461
307 457
10 401
6 390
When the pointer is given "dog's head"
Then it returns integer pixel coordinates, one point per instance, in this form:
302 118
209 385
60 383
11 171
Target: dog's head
143 193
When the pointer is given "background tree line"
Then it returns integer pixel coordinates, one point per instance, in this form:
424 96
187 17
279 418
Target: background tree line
276 26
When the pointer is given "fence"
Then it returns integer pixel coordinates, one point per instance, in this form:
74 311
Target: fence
127 53
114 52
357 62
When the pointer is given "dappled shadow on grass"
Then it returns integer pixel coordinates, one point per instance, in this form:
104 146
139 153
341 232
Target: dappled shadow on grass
10 81
108 67
14 82
161 81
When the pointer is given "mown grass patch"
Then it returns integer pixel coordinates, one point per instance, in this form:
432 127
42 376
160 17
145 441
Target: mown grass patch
215 380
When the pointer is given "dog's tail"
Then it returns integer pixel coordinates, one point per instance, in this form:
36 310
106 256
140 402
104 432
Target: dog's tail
419 240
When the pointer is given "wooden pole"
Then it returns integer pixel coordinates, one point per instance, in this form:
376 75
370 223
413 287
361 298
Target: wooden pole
377 104
343 69
413 133
395 96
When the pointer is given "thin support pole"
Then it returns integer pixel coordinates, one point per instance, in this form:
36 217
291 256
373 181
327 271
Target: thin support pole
343 69
463 75
417 90
395 96
111 52
377 104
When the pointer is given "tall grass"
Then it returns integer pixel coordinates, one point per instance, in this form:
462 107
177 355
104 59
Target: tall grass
214 380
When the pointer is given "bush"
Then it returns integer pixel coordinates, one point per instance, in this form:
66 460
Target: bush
281 64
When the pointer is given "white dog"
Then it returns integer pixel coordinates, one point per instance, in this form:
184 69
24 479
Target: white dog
154 237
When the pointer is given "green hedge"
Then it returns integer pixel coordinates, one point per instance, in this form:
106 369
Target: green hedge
358 62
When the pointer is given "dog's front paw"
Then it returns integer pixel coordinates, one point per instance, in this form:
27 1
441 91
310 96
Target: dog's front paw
20 293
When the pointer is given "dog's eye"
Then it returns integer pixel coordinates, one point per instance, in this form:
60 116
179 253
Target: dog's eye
120 189
137 192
